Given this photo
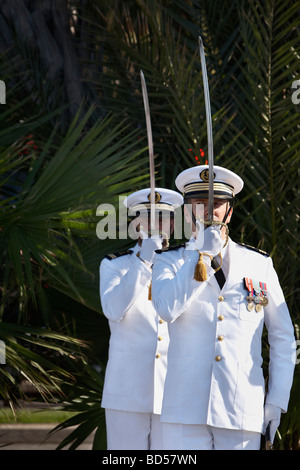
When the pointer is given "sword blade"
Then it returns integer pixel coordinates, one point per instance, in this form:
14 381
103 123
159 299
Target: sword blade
209 132
150 147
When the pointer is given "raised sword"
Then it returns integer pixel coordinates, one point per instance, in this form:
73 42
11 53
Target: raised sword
209 133
151 155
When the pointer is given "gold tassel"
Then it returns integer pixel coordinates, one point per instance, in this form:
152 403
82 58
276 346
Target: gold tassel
200 270
150 292
200 273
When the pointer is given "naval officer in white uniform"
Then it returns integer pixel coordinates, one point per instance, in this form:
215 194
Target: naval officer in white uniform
215 395
137 362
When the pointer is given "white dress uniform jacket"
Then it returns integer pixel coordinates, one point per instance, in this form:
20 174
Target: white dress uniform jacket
215 372
139 340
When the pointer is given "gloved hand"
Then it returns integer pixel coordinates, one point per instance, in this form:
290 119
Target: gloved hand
149 245
272 415
208 241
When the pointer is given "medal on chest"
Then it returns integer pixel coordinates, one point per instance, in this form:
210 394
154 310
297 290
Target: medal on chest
257 294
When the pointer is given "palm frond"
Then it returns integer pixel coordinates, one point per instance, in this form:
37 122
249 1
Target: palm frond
34 354
61 194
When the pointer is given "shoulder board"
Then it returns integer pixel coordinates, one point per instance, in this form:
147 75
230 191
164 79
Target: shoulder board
118 254
264 253
170 248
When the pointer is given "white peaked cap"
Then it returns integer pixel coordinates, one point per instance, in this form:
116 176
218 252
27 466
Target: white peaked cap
194 182
165 200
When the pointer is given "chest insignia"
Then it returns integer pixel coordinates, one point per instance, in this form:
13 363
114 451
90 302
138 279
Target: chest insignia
257 294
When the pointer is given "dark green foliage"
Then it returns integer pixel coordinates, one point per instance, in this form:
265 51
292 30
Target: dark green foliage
73 136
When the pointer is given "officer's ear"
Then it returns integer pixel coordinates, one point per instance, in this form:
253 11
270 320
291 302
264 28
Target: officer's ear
229 213
229 216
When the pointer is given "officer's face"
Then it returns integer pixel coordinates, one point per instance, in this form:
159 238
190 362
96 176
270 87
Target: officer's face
220 209
200 208
164 222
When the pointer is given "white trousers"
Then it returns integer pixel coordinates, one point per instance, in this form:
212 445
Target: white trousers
127 430
202 437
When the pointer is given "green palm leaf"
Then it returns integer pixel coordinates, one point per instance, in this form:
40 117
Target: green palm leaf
34 354
89 166
252 60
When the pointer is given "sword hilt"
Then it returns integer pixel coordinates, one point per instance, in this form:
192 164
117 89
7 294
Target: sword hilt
269 445
216 222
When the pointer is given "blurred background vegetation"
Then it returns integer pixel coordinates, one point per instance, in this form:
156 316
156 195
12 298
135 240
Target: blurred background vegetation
73 137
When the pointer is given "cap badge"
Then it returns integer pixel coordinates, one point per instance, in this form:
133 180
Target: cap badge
157 197
204 175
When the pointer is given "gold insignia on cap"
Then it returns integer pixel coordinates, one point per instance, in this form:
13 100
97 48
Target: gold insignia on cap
204 175
157 197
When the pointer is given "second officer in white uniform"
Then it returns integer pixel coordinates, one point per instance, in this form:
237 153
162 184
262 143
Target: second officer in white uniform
215 395
139 340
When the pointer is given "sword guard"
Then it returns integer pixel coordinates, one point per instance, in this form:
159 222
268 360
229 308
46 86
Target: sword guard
160 233
216 222
269 445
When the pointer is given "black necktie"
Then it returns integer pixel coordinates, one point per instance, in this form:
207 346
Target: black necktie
218 274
